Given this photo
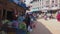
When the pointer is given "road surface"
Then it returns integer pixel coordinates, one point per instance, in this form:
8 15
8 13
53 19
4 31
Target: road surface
47 27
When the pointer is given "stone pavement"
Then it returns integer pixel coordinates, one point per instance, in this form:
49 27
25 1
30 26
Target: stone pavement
47 27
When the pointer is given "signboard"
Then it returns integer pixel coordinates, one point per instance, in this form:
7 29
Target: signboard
35 9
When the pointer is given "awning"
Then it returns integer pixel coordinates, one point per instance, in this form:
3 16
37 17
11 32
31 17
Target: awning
54 8
21 4
34 10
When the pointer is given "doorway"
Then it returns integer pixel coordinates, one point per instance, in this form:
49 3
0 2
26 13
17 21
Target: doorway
10 15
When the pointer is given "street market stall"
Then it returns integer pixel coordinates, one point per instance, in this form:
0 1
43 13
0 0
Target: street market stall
8 12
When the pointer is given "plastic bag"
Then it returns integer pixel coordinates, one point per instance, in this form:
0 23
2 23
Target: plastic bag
29 29
15 24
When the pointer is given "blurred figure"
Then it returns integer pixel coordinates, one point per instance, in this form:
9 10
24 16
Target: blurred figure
58 16
32 21
45 16
15 23
21 18
27 20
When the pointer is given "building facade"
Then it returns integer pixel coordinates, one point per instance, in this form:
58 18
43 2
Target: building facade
44 5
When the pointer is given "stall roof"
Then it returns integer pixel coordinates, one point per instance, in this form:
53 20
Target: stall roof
10 5
21 4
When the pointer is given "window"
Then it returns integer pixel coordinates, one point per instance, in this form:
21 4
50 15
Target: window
56 5
34 0
56 1
40 3
52 5
40 0
47 6
53 1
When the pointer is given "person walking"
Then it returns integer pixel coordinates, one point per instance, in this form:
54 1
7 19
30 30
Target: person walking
27 21
58 16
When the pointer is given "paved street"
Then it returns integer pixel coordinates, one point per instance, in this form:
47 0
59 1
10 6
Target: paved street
47 27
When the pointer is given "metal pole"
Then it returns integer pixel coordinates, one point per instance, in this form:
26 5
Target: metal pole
5 14
1 15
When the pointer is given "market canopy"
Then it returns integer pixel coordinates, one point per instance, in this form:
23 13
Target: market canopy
22 4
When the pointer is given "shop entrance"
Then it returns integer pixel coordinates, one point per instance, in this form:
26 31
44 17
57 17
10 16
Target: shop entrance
10 15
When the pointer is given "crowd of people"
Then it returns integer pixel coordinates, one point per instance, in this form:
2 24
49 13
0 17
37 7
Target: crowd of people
48 16
22 22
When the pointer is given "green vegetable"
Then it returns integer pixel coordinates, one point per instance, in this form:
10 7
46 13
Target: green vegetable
22 26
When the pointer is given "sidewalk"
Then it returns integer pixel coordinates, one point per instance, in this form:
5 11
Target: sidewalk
40 29
47 27
53 25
